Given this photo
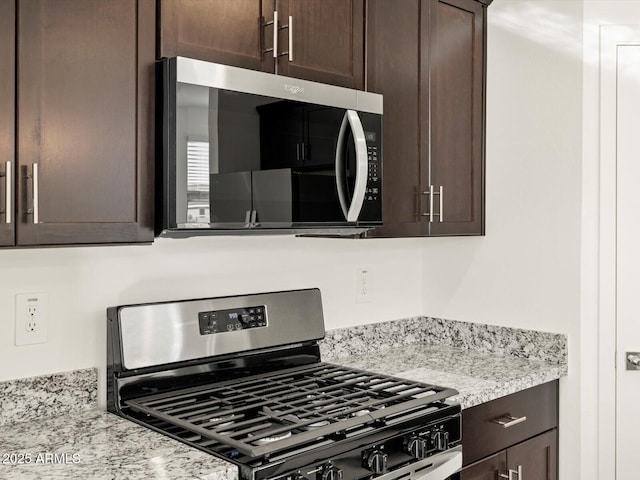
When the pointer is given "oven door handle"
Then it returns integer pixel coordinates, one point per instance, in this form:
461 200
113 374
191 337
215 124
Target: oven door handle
436 467
352 211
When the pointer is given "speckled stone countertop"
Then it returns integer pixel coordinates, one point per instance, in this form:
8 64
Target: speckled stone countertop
478 376
481 362
95 445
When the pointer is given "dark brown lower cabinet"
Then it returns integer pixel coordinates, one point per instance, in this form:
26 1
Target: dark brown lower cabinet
511 434
534 459
487 469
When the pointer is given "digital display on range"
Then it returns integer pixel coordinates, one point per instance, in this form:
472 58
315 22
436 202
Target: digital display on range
231 320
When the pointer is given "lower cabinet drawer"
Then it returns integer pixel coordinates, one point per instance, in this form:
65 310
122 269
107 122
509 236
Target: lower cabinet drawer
500 423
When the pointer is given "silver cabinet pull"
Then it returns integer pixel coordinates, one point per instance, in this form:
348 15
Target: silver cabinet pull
431 193
507 421
290 38
511 473
8 179
430 203
36 195
277 28
275 34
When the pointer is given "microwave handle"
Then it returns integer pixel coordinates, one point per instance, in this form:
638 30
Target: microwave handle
352 211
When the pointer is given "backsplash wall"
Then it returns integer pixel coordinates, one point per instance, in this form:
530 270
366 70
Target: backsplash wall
83 281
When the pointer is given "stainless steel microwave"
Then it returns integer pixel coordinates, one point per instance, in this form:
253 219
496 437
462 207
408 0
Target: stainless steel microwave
251 152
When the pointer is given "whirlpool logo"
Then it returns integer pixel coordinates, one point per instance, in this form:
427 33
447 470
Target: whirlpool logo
295 89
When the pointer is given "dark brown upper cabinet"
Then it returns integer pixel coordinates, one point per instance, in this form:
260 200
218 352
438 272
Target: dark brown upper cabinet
318 40
324 41
7 122
84 121
428 60
231 32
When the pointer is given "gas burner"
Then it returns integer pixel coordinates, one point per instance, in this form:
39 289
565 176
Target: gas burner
360 413
312 426
271 438
225 419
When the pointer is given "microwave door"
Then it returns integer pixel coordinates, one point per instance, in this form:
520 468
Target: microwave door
351 184
230 197
273 197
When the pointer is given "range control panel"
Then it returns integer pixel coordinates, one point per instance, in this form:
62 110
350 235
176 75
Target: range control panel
221 321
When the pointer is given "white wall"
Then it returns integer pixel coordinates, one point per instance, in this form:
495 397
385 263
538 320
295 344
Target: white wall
526 272
83 282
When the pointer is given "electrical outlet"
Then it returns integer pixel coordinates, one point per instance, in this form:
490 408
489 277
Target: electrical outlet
32 314
363 285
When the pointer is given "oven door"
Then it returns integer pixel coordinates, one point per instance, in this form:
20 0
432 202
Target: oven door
443 466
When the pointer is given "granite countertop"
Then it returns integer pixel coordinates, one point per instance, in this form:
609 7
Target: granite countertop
478 376
63 435
96 445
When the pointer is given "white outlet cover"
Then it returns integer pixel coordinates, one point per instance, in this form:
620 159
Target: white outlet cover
363 285
32 318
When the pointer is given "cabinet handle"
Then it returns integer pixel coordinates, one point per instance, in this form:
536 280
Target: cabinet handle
431 193
507 421
290 38
8 179
511 473
36 195
275 34
431 203
277 28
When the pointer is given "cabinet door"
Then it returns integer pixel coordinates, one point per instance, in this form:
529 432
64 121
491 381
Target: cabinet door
85 97
456 51
488 469
327 41
7 121
393 56
222 31
537 458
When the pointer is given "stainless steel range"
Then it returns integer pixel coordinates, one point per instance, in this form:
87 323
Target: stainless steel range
241 378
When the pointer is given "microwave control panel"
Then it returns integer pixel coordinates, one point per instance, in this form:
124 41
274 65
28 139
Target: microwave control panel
371 212
231 320
373 185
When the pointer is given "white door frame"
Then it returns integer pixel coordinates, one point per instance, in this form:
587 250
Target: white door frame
610 37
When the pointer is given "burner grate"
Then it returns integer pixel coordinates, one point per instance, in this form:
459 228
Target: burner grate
263 414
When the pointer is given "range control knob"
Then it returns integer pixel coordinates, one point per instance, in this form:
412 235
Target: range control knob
331 473
375 460
416 447
440 440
